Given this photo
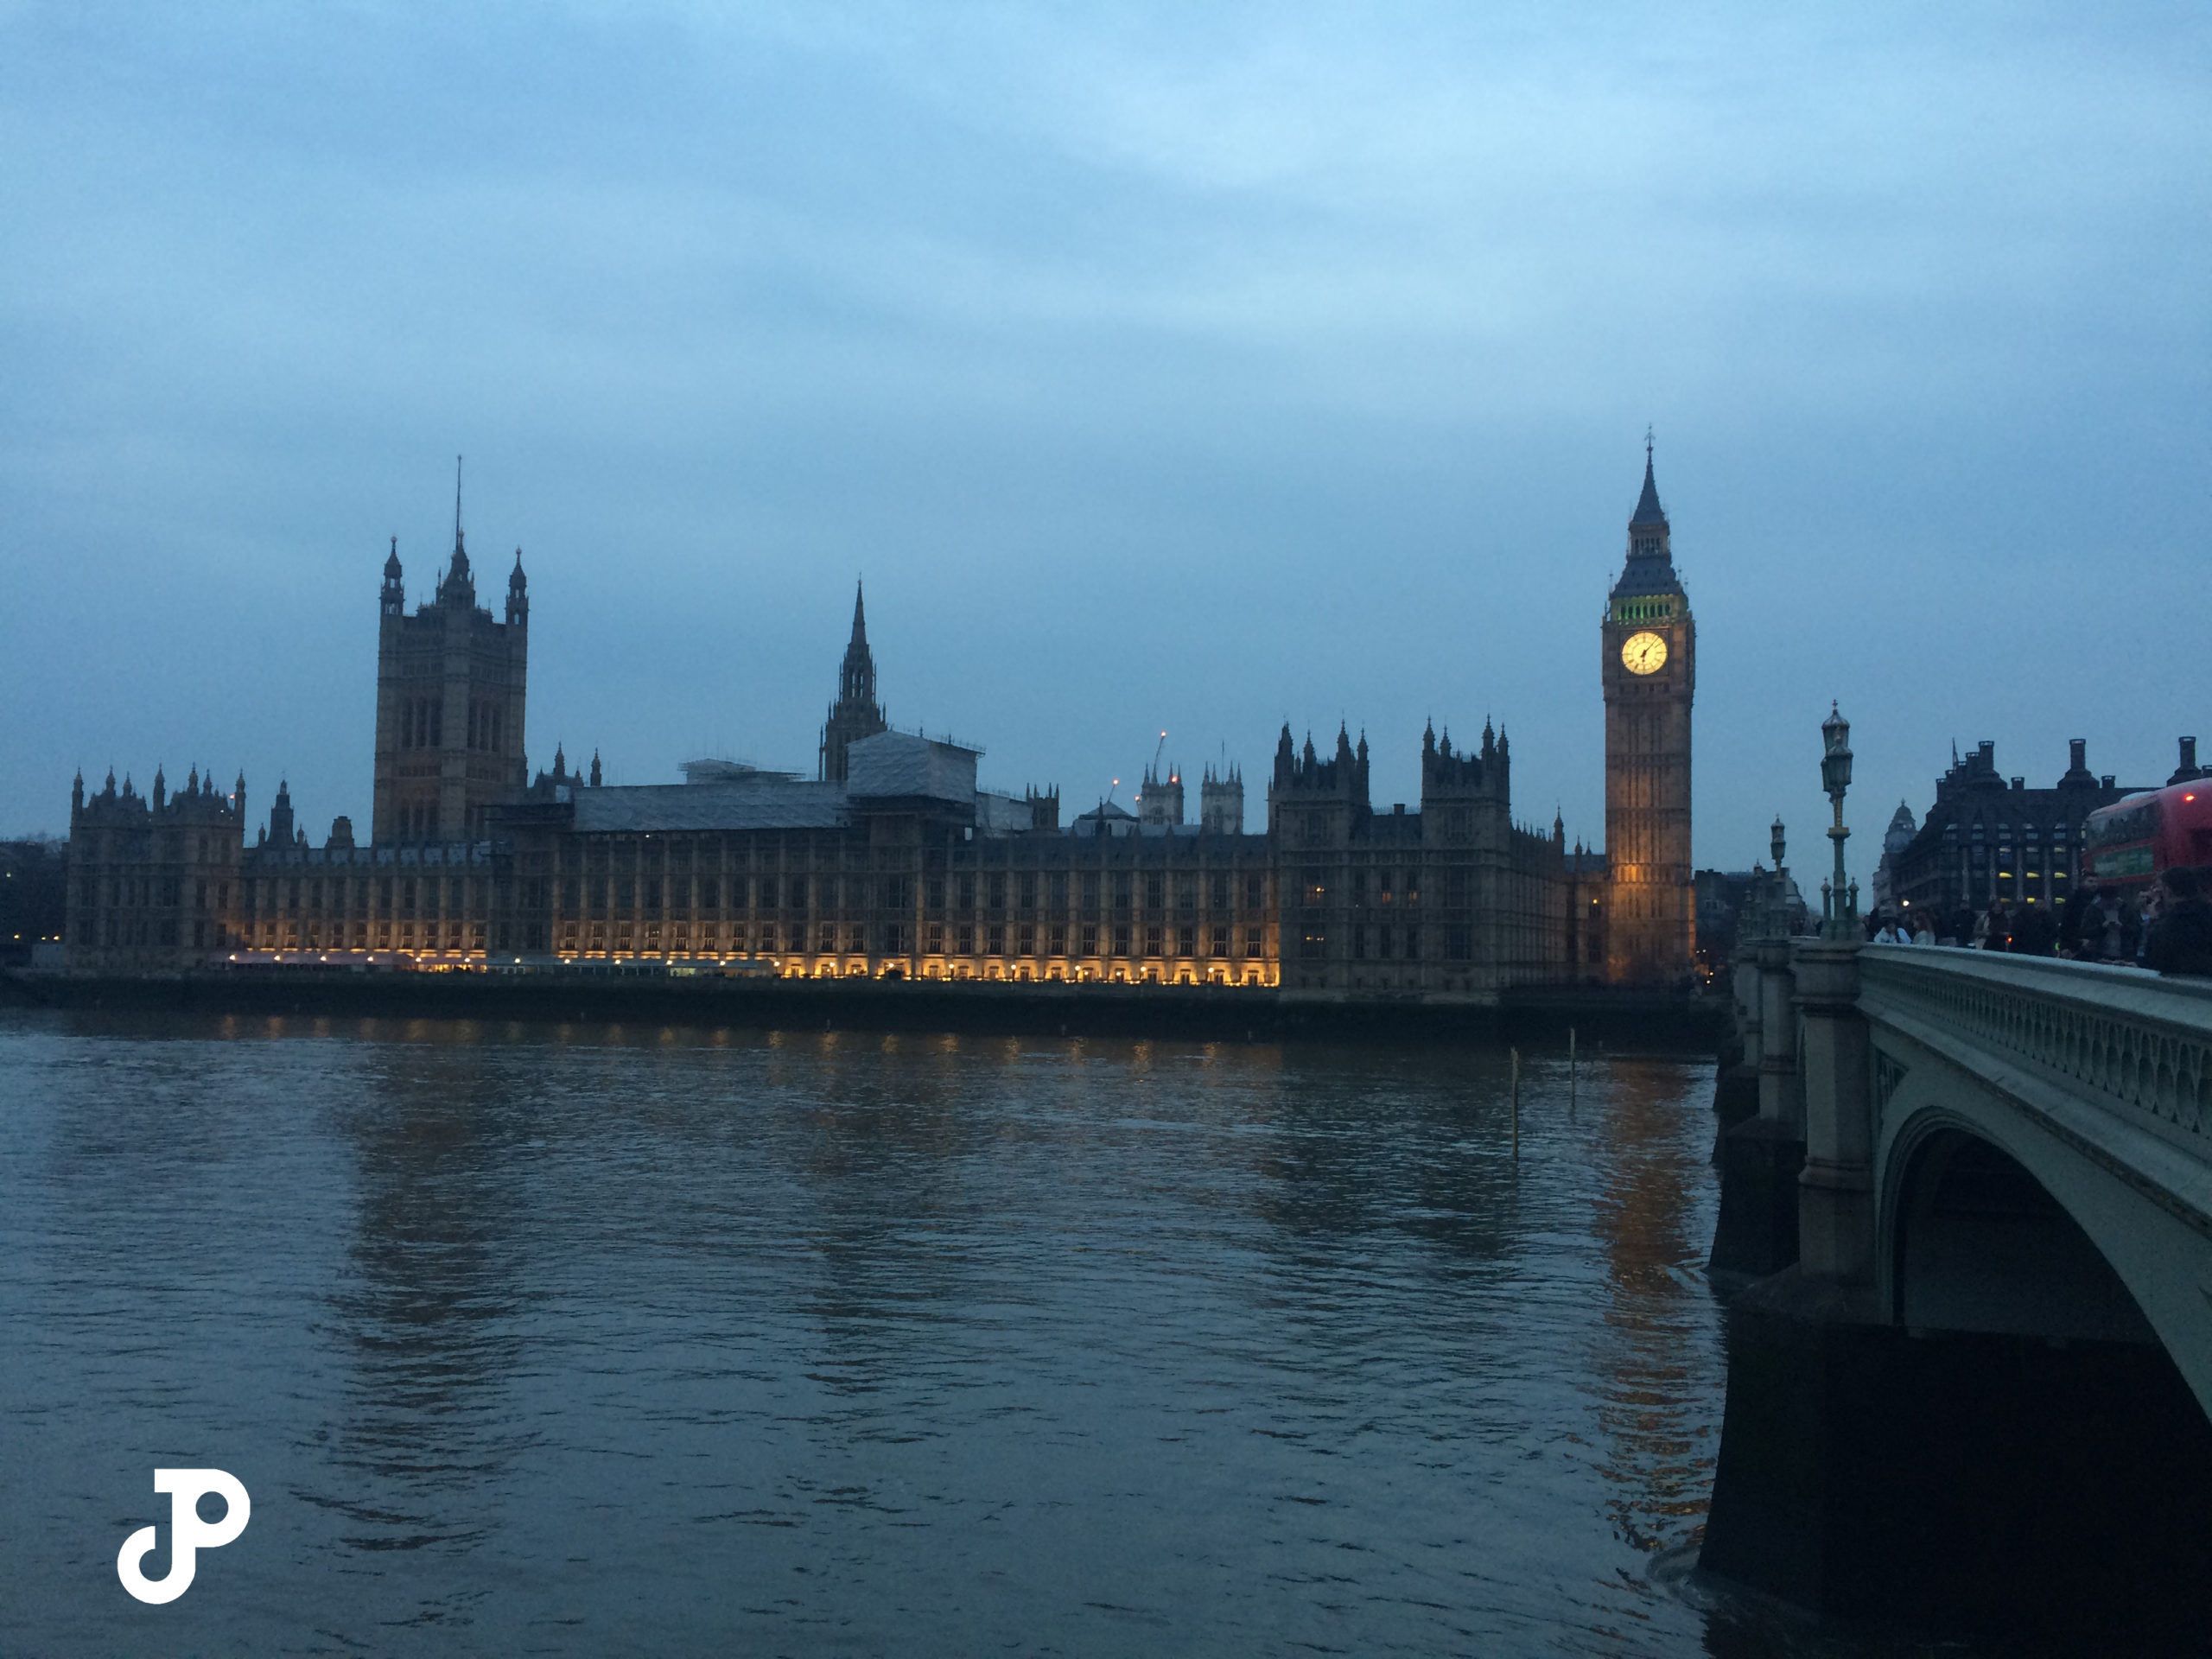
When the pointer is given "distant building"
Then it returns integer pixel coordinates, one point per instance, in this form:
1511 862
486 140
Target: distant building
1894 840
1221 801
1723 896
34 899
1986 838
1159 803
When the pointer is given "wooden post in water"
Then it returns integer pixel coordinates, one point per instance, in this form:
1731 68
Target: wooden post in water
1516 1105
1570 1071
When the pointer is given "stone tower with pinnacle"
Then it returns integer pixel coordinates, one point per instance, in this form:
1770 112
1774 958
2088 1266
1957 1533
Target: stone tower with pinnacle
1647 662
856 714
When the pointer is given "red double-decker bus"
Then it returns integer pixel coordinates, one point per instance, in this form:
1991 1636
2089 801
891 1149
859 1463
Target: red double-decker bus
2133 842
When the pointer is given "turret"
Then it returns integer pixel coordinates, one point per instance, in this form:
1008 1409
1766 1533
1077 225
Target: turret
457 587
518 595
1161 800
280 815
392 598
1221 802
856 714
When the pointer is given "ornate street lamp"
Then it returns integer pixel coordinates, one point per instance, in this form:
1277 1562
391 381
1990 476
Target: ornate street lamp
1839 906
1778 920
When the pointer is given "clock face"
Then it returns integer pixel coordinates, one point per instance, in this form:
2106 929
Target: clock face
1643 653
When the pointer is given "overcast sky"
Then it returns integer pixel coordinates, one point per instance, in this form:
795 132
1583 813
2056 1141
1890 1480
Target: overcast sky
1172 366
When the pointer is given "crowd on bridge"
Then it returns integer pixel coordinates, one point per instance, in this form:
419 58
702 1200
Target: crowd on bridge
2164 925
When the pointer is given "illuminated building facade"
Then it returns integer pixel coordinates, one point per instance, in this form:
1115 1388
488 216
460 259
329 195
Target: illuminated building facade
892 861
1648 644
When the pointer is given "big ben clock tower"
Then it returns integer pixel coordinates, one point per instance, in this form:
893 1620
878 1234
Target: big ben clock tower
1650 668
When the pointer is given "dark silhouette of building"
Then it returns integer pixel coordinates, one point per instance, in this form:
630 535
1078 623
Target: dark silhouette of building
856 714
34 898
451 684
153 881
1987 838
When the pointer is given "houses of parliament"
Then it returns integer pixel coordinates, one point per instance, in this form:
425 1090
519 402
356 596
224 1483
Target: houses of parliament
892 861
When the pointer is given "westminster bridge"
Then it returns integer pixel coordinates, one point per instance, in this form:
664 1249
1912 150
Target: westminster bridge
1971 1362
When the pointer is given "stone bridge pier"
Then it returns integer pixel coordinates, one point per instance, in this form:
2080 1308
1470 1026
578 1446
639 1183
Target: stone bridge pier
1977 1400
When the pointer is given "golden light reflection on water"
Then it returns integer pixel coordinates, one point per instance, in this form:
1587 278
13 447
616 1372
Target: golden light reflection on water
1654 1373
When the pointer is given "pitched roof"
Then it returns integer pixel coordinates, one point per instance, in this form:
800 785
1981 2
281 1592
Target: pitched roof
1647 509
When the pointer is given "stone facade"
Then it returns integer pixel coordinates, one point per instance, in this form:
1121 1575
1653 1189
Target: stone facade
450 692
1649 666
1453 898
154 881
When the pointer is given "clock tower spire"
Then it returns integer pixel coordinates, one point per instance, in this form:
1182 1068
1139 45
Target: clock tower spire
1649 667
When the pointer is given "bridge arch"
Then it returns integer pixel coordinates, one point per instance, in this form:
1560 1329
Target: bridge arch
2099 1199
1977 1242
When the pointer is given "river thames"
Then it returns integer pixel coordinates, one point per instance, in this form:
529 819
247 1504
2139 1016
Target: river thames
588 1339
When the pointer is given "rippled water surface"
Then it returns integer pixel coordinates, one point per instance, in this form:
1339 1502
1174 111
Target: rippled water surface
588 1339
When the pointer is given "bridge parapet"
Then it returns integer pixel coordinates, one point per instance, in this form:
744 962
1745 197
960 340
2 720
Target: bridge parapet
2114 1063
2134 1043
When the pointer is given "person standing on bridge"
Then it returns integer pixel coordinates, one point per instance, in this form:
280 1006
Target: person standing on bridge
2180 940
2086 912
1994 931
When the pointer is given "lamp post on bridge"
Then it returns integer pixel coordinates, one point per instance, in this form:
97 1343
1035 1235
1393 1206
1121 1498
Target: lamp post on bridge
1839 906
1778 884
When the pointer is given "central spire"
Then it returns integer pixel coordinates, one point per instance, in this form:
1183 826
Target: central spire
1650 570
856 714
1647 509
